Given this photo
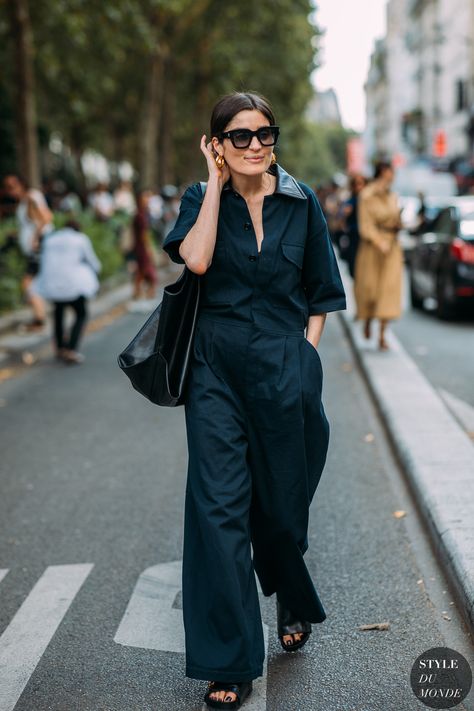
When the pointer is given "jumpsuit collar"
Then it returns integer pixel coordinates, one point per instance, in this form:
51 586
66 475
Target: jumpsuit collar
286 184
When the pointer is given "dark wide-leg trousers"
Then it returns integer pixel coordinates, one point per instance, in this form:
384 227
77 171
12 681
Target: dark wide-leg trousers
257 441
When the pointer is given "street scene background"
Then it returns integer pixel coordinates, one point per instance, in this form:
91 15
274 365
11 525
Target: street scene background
102 107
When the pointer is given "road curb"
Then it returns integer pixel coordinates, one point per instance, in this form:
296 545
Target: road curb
436 455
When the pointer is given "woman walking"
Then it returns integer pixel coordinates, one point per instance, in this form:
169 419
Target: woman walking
68 277
256 428
142 249
379 261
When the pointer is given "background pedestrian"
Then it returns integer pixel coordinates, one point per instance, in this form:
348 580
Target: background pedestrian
379 261
124 198
102 202
68 278
171 198
35 220
145 272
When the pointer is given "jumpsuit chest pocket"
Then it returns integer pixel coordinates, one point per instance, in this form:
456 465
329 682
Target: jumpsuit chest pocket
293 253
288 268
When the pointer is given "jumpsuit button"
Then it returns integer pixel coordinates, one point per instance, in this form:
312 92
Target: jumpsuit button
252 258
247 226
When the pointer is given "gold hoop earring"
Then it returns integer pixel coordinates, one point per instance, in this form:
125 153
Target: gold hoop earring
274 159
220 161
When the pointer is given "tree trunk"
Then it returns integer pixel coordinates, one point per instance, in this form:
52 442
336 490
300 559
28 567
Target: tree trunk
204 82
166 138
77 153
27 138
150 121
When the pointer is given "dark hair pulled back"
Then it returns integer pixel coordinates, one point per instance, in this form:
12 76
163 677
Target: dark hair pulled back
21 179
380 167
229 105
73 224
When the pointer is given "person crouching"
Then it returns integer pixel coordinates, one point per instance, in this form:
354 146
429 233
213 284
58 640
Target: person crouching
68 278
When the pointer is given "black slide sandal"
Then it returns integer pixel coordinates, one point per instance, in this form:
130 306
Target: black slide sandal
288 624
241 689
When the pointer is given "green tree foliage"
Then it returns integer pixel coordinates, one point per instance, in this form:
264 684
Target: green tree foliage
321 150
136 79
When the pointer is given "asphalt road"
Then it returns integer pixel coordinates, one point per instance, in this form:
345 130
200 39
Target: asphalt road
92 484
444 350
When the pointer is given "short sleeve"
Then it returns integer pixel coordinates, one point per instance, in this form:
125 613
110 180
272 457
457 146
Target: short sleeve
321 278
188 213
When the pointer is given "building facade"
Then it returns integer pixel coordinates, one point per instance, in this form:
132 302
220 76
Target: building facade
400 87
376 90
324 108
429 77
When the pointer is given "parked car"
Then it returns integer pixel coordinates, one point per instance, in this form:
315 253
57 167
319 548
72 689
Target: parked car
442 260
464 174
412 220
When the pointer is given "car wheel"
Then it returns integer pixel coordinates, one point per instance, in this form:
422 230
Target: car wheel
415 299
445 308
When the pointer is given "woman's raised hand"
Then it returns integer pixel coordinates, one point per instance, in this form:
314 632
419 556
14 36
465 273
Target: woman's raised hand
222 174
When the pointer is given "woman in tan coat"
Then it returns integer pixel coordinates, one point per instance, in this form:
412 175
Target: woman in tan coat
379 261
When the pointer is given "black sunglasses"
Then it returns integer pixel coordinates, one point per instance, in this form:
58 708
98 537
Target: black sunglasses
242 137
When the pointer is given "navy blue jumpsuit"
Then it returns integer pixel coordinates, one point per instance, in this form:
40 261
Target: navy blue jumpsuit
256 429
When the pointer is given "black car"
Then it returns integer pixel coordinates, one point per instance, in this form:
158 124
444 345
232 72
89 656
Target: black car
442 260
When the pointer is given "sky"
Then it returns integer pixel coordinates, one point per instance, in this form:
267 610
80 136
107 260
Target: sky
351 27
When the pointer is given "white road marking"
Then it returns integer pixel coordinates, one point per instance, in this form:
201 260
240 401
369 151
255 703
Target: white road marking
3 572
31 629
462 411
151 622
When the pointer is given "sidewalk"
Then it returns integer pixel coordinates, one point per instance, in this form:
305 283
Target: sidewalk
435 454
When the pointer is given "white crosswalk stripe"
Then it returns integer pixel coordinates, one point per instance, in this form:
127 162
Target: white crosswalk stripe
31 629
151 622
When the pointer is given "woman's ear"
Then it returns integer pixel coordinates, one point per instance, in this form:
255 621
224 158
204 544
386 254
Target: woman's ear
215 144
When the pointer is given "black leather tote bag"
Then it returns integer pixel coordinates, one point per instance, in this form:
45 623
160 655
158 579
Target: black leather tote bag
157 359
